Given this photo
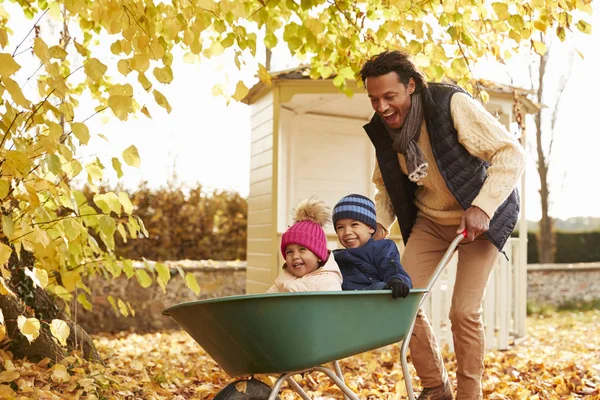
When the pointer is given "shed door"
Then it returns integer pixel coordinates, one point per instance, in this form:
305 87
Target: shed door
328 157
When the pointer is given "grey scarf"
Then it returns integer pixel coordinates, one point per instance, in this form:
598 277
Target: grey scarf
405 141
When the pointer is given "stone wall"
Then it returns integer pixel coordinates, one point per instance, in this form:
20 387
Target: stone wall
216 279
556 284
552 284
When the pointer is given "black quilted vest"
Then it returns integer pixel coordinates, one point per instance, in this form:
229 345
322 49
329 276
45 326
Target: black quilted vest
464 174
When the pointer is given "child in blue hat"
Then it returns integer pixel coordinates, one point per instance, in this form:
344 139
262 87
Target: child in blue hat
365 263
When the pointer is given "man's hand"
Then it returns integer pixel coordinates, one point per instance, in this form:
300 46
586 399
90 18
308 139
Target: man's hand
475 221
380 232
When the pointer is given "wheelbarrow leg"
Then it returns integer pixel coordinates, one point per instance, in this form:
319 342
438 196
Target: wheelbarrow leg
338 372
290 380
277 386
338 382
404 363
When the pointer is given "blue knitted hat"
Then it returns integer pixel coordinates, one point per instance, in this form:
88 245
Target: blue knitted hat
355 206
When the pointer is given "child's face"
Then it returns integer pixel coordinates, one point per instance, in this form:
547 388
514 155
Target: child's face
353 233
300 260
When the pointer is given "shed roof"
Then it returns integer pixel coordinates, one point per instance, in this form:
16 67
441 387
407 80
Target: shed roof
302 73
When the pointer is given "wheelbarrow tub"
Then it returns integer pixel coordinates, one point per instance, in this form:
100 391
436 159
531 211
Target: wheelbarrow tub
282 332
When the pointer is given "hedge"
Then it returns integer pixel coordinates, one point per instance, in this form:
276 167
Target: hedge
571 247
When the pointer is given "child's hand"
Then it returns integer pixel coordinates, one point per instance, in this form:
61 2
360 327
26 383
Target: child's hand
399 287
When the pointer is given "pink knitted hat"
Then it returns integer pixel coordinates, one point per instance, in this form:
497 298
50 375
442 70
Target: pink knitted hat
307 231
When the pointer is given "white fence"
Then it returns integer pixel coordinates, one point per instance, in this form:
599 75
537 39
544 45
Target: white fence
504 305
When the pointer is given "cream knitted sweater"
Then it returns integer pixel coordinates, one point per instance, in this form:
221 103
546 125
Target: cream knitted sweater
484 137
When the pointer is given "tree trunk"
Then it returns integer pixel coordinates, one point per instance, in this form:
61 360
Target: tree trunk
31 302
546 232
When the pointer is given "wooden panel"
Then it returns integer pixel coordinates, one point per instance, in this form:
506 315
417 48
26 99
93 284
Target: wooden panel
253 287
260 260
260 275
261 131
262 145
256 203
261 187
261 117
261 159
262 103
259 245
261 173
259 230
260 217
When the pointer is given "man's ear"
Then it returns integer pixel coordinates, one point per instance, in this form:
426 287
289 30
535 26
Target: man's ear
411 86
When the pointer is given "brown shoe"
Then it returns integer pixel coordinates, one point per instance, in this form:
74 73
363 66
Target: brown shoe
442 392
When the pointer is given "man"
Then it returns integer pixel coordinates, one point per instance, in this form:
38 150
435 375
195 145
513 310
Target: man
444 165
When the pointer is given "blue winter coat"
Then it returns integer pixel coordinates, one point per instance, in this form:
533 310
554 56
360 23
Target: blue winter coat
377 261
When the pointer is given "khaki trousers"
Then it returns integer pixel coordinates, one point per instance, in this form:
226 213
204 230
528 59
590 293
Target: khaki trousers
427 244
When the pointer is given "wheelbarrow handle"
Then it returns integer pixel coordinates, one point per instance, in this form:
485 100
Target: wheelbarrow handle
445 259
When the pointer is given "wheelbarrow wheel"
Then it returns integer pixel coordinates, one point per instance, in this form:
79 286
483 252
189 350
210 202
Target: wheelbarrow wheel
245 390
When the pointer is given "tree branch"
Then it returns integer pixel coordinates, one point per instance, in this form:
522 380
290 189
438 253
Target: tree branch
31 30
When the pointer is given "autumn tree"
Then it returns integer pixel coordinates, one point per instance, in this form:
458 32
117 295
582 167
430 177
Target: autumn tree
545 121
48 235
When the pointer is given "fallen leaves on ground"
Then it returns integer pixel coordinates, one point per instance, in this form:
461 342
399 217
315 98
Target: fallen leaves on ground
559 359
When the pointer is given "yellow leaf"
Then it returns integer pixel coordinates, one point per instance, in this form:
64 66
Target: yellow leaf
584 27
240 91
131 156
123 67
9 376
94 69
15 92
29 327
128 268
164 272
539 47
163 75
121 106
40 49
38 276
122 308
81 50
146 112
241 386
70 279
111 300
143 278
140 62
60 374
161 100
81 132
218 90
58 52
82 299
4 289
264 75
3 38
117 167
8 65
191 283
4 188
5 252
145 82
126 203
60 330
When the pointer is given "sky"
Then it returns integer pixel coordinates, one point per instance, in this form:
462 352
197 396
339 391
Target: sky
204 140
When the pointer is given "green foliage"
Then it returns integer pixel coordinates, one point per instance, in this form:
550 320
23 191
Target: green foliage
571 247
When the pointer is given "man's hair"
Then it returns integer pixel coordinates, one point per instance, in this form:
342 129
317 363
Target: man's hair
393 61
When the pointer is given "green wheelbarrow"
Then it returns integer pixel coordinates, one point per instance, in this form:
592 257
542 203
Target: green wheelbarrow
292 333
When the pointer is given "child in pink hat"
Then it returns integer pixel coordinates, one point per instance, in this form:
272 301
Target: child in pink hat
309 265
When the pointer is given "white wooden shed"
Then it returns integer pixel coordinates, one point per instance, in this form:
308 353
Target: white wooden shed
307 139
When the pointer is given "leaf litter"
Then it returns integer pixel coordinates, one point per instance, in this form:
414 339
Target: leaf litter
558 359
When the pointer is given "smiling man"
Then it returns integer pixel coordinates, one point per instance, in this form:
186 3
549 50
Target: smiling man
444 165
